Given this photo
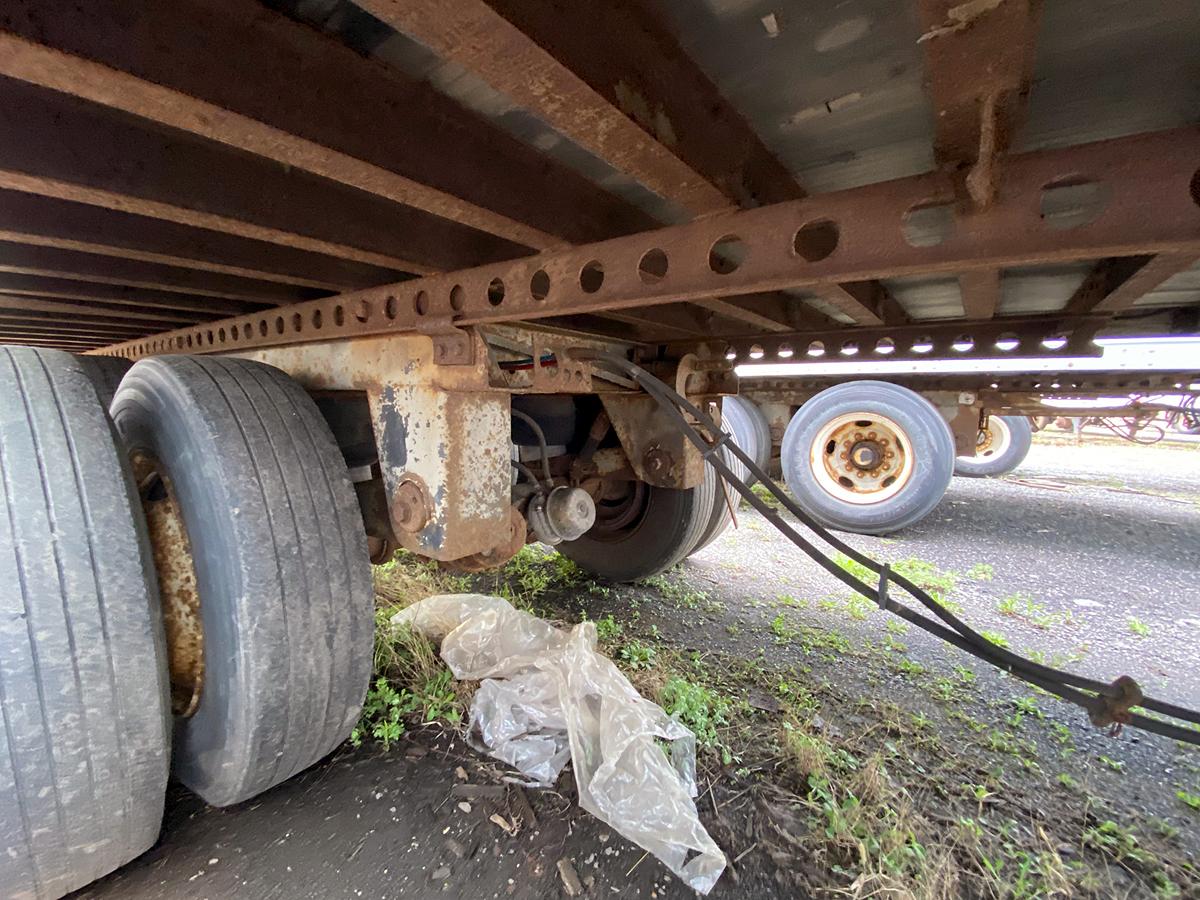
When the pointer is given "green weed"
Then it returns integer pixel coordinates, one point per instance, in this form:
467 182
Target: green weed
637 655
981 572
702 710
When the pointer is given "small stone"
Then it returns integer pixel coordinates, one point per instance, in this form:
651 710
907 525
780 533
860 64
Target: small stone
570 879
441 874
465 806
460 773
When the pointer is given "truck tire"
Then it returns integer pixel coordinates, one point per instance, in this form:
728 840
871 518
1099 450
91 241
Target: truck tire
1002 447
868 457
84 745
646 530
751 431
106 373
281 566
724 499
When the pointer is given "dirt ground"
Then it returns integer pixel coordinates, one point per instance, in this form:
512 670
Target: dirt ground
846 755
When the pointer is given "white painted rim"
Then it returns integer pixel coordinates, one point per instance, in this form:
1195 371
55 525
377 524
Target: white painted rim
994 440
841 480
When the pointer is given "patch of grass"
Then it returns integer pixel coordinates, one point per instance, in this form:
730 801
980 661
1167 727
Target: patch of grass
1138 627
637 655
608 629
698 707
1068 781
858 607
1191 801
411 685
995 637
921 572
981 572
677 591
908 667
1121 844
784 633
1115 764
1022 605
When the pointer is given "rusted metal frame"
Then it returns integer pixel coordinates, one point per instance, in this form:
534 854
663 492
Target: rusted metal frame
1070 383
53 344
23 259
735 311
473 35
115 329
1003 338
979 62
1147 171
32 62
391 140
675 321
66 289
62 147
16 332
980 293
162 318
638 103
623 52
45 222
1114 285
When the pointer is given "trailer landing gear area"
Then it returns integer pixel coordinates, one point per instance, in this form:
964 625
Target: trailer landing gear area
287 288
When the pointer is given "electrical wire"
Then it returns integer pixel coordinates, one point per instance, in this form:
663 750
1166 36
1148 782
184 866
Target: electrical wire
1104 703
541 439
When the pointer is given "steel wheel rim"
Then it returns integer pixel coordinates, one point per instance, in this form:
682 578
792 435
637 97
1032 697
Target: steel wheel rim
995 439
861 458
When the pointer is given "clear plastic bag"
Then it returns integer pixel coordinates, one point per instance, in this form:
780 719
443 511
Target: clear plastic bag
549 696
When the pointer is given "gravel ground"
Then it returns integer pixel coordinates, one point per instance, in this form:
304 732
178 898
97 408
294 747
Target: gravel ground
1090 538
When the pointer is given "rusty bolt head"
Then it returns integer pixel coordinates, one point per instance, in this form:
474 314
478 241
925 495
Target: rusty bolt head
657 461
410 511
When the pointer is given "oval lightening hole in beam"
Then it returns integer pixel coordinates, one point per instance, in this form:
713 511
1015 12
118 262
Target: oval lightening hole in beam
727 254
539 285
495 292
591 276
816 240
652 267
927 224
1072 202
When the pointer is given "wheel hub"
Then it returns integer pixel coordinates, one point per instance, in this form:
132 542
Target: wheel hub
994 438
861 458
866 455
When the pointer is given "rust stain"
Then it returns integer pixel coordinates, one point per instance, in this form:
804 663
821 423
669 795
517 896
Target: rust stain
177 585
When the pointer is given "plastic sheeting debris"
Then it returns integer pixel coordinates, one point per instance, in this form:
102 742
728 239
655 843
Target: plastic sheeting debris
549 696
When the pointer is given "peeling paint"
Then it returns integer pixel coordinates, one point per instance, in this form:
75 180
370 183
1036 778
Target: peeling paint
960 17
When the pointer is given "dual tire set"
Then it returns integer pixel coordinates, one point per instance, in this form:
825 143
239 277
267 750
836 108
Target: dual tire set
101 634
